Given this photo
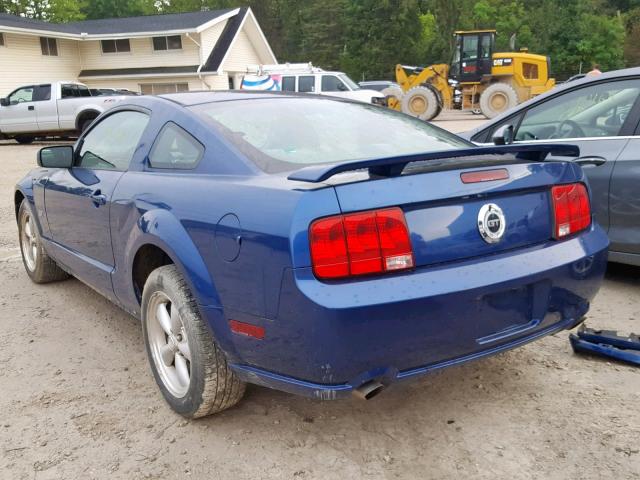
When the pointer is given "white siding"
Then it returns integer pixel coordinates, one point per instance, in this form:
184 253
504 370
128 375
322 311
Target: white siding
22 62
133 84
141 55
218 82
209 38
241 54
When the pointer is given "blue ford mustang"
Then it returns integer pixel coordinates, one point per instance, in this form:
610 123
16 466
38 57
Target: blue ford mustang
312 245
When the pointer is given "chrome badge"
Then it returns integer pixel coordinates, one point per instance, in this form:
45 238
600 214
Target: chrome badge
491 223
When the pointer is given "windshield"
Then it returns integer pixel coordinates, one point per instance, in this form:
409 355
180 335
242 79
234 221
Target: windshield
284 134
348 82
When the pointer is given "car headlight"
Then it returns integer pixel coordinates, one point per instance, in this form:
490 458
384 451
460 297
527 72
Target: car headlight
382 101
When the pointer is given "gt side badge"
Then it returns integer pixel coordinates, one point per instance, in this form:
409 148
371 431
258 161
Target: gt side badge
491 223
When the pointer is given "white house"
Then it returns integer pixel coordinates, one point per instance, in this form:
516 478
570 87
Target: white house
149 54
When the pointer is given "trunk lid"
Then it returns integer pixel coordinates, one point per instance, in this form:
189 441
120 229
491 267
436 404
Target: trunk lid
443 213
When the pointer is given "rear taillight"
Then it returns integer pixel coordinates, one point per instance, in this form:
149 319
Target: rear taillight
362 243
571 208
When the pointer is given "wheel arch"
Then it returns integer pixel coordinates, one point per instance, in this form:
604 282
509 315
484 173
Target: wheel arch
161 240
84 115
18 197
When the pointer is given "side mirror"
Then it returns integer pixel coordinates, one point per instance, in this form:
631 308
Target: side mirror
60 156
503 135
4 102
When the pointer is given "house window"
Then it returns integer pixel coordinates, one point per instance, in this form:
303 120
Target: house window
49 46
116 46
1 39
161 88
174 42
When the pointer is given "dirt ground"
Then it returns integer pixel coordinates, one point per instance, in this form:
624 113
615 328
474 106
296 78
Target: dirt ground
78 400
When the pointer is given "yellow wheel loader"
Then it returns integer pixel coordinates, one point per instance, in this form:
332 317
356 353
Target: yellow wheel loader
477 80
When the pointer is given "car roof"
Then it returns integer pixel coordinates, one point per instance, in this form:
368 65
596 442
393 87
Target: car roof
627 72
188 99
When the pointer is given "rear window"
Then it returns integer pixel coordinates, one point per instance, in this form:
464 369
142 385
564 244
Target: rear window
285 134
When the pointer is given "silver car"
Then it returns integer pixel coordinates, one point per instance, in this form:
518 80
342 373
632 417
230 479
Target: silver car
602 116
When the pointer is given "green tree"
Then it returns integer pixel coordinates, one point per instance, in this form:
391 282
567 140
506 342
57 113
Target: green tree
118 8
380 34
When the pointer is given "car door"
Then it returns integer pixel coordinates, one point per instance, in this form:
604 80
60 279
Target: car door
597 118
21 113
78 200
624 203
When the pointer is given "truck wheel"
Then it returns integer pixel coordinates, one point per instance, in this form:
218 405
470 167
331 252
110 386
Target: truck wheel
85 124
25 139
420 102
188 365
393 96
497 98
40 267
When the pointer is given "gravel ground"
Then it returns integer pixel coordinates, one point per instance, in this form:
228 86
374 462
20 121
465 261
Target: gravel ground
78 400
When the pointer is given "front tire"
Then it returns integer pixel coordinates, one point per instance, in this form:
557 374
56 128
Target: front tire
40 267
189 367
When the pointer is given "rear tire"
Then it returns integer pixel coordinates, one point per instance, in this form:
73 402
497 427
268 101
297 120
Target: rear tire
189 367
40 267
394 97
85 124
498 98
420 102
25 139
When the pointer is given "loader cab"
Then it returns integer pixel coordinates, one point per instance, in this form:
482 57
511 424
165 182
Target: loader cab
472 55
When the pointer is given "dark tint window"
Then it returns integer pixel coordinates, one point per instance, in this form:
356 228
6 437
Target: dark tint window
69 91
306 84
83 91
110 145
331 83
173 42
42 93
317 131
175 148
49 46
288 84
592 111
116 46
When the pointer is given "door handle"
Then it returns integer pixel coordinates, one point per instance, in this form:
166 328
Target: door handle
98 198
593 161
31 107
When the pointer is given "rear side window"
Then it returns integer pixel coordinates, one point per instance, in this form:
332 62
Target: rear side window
175 148
69 91
306 83
288 84
110 145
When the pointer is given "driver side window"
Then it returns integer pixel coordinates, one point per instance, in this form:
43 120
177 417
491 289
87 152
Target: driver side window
110 145
593 111
331 83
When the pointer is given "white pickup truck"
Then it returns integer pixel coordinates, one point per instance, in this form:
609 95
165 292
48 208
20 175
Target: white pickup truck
50 109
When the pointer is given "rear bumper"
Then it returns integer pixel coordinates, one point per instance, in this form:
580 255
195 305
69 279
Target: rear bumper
331 338
386 376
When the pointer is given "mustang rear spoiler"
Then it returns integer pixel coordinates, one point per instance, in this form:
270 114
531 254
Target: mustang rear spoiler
390 166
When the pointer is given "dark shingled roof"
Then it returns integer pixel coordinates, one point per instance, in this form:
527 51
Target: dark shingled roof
138 71
115 26
224 42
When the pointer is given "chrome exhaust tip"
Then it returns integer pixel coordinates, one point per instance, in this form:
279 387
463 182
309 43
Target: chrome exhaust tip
368 390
